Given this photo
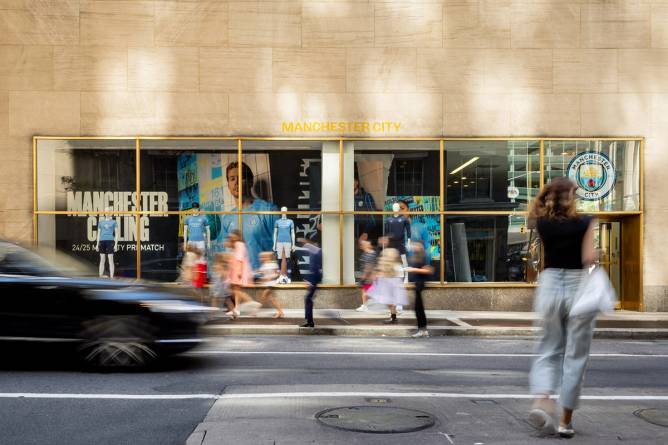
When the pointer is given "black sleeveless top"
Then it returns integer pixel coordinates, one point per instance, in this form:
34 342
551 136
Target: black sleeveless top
562 240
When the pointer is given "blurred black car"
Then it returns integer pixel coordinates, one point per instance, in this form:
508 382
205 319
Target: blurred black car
110 323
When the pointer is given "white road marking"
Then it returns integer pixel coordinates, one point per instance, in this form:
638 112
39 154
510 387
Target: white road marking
459 322
411 354
315 394
447 436
40 395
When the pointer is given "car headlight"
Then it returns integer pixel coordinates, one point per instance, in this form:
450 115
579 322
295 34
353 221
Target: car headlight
175 306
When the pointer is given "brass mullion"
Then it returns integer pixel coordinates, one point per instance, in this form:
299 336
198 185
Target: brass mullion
641 191
339 138
441 217
138 206
34 192
541 164
385 212
68 212
240 185
341 212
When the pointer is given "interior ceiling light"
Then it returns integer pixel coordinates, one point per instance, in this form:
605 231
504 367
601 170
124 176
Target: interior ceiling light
465 164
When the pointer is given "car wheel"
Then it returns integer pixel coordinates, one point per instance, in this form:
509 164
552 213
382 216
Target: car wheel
117 342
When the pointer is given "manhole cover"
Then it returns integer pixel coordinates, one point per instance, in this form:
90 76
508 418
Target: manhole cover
376 419
652 415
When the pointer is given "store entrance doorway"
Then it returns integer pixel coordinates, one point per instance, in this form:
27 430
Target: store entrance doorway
608 238
618 244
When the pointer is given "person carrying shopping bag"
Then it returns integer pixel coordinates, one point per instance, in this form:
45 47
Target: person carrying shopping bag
563 349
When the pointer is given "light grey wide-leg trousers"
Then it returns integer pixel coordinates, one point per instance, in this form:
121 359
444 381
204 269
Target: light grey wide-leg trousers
563 350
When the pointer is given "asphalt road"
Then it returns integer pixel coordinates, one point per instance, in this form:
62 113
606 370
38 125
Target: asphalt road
251 390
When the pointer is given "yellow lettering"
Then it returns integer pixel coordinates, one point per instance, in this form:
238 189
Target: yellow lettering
287 127
321 127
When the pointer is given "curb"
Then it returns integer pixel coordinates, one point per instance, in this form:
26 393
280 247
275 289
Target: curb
384 331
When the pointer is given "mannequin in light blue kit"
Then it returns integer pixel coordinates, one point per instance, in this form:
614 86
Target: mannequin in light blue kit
196 230
284 243
107 241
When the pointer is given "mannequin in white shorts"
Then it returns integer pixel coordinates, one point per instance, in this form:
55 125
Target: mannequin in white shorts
196 230
107 241
284 243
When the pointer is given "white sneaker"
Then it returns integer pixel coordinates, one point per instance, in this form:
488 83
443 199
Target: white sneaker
281 279
362 308
400 308
421 333
250 307
287 280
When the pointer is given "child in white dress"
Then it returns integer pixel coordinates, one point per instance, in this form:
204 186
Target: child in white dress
388 285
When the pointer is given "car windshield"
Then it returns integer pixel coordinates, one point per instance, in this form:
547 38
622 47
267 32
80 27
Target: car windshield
16 260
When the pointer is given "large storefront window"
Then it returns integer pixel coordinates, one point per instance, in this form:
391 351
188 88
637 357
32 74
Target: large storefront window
81 237
486 248
491 175
607 172
282 174
465 200
86 175
184 172
405 173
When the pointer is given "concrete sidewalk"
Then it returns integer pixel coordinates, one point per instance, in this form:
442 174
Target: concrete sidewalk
348 322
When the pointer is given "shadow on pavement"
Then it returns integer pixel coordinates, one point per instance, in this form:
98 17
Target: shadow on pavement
47 358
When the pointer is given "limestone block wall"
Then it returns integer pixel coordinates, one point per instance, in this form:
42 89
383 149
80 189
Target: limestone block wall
453 67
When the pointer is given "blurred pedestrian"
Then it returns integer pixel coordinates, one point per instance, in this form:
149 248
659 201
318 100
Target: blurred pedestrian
313 278
187 264
388 285
219 291
240 273
419 270
199 274
268 275
563 349
367 263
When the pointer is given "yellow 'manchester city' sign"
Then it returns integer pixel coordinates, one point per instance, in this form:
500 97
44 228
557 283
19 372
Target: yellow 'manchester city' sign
340 126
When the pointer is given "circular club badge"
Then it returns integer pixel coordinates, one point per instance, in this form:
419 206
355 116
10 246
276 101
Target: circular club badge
594 175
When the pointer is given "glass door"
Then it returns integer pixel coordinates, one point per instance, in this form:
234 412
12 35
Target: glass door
608 244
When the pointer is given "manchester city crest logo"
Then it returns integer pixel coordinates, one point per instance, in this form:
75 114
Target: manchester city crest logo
594 175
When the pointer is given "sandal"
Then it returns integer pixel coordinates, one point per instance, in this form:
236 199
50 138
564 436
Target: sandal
542 421
279 315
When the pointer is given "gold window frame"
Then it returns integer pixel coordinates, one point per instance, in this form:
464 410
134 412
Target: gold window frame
340 212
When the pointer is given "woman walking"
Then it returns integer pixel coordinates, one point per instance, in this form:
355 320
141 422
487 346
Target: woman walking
563 350
240 272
